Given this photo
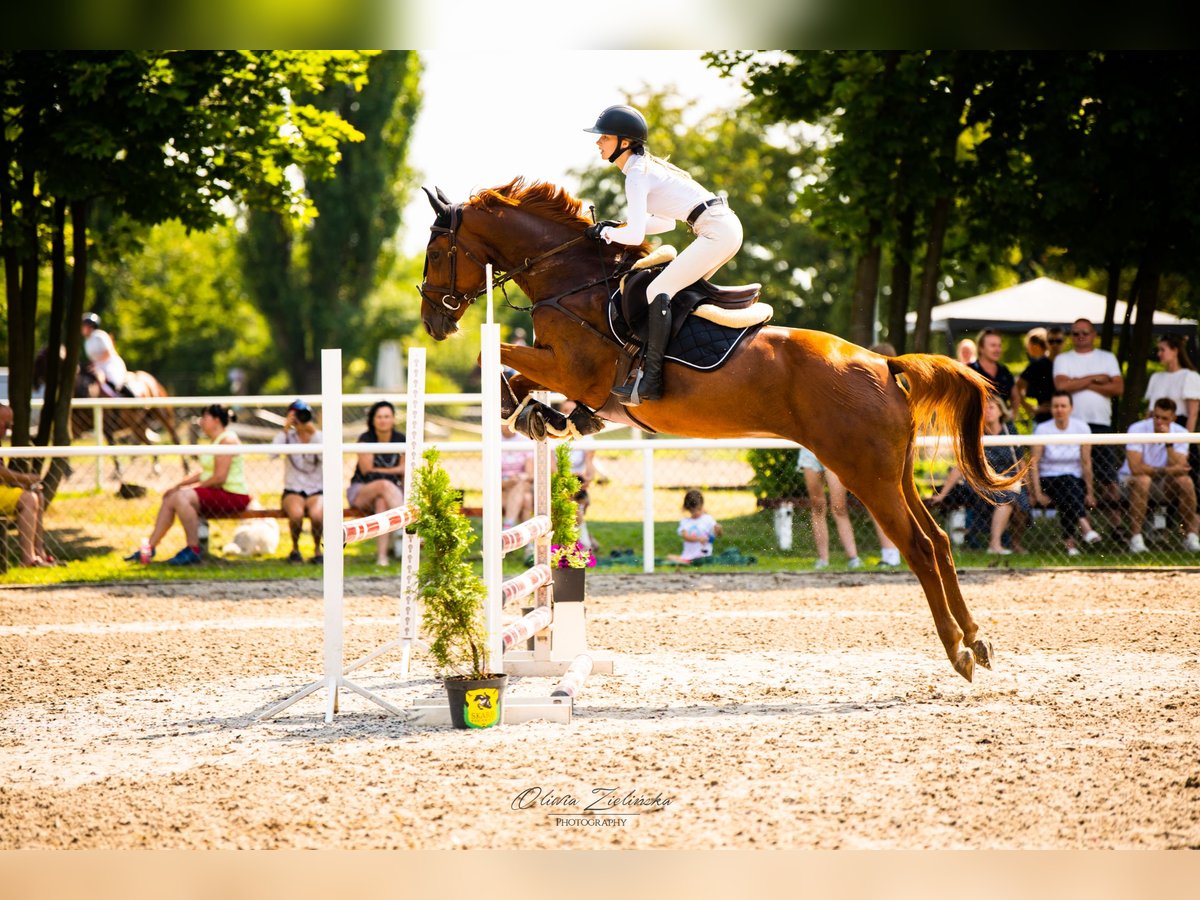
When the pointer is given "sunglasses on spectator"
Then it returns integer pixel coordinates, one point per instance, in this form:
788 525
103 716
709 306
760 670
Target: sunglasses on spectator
1080 333
1054 340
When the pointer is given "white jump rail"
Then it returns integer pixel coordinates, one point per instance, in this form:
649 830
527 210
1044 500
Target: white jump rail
335 669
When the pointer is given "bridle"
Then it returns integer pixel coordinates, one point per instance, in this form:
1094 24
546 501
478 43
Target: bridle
452 299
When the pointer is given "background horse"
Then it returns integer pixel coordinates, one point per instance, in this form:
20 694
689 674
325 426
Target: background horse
131 425
856 410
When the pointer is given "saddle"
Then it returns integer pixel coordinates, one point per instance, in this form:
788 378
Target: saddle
708 320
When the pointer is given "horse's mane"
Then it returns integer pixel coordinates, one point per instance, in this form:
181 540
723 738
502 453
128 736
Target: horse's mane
542 199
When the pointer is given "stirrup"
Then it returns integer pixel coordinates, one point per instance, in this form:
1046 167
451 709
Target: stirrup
630 396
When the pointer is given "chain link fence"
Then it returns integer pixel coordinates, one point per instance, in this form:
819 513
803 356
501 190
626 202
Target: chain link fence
100 514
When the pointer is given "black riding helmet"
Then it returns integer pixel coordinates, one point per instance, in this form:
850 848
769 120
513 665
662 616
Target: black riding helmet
91 319
623 122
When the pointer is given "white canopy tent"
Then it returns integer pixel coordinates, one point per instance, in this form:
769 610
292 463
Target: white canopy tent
1044 302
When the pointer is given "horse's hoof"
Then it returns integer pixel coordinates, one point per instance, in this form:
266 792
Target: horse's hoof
983 652
964 664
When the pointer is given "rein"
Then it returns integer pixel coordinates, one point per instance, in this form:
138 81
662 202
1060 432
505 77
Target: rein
452 299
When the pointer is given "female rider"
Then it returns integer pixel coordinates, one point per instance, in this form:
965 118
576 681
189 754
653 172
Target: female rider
657 195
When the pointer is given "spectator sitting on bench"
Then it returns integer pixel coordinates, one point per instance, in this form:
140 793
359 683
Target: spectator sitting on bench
376 485
1062 473
218 489
1161 472
1009 505
302 480
21 498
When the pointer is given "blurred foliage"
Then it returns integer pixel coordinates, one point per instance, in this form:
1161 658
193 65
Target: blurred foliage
775 474
184 314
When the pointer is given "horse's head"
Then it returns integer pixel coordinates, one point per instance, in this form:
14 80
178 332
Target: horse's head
454 275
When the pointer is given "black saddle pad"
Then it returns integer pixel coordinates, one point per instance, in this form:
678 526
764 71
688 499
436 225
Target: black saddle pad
695 342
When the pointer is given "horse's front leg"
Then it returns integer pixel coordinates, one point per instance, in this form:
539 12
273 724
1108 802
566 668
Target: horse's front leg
537 420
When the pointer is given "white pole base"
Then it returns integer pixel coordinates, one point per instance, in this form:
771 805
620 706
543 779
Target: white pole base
516 711
522 662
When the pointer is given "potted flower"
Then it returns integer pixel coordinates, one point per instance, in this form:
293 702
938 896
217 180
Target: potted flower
568 557
453 599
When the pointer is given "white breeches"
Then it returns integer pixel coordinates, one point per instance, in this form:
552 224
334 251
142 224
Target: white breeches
718 239
114 372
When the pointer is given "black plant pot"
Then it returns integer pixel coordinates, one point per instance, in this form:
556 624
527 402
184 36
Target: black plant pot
476 702
570 585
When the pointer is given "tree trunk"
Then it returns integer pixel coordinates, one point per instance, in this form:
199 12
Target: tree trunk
1149 278
58 277
897 334
1112 293
21 264
866 286
938 224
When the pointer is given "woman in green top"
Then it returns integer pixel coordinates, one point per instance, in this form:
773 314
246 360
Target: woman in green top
217 490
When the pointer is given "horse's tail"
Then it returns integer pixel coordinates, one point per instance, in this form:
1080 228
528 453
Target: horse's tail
945 397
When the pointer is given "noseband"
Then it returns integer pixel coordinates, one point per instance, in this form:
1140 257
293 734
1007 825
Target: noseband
450 298
453 300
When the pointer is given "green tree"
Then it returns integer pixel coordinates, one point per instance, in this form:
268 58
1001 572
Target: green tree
312 279
153 136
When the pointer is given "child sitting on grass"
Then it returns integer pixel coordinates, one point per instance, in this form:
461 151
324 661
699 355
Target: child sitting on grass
698 530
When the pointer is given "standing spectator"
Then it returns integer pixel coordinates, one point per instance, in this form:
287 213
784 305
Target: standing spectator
1179 380
1062 473
302 480
1093 378
889 553
516 475
1160 472
813 470
21 498
698 529
110 370
1036 382
966 352
218 489
991 348
1009 506
377 483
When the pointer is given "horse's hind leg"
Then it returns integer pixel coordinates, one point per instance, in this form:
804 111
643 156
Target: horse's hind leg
884 494
954 598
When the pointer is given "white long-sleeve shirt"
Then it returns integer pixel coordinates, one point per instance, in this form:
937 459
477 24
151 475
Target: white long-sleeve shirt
656 197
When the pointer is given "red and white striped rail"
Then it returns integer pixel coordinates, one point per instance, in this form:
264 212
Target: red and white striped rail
379 524
524 533
526 583
573 679
527 626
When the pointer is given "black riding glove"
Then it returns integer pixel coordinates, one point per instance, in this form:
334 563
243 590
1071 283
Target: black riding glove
593 231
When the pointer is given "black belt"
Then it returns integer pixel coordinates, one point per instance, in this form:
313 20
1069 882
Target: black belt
701 207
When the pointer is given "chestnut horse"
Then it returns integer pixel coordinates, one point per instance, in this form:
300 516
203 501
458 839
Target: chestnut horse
856 410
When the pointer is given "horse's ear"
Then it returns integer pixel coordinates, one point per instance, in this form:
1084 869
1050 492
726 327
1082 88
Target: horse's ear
441 206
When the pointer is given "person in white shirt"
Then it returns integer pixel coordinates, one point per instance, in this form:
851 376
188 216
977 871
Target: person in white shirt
658 195
1160 471
1093 378
1179 380
1062 473
303 481
110 369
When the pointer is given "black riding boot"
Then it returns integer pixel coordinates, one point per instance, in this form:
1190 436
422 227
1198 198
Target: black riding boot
658 333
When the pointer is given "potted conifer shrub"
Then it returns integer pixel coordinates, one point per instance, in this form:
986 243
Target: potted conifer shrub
569 559
453 596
